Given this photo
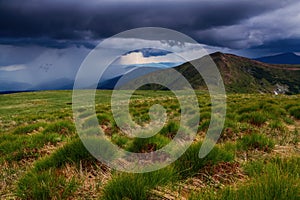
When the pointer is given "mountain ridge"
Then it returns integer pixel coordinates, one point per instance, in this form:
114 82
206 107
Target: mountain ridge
283 58
239 74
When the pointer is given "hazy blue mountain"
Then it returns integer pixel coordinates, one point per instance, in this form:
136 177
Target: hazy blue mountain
14 86
285 58
58 84
130 75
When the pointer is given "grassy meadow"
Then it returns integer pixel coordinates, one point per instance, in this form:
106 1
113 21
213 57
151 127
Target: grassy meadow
257 156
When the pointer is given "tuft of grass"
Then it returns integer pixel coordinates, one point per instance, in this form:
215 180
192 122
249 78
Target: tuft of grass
204 125
72 152
141 145
190 163
276 179
295 112
137 186
255 118
17 147
45 185
170 130
104 119
60 127
276 125
120 140
29 128
296 137
255 141
288 120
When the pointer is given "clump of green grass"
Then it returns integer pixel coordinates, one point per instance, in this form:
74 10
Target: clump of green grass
17 147
272 109
276 179
45 185
170 130
29 128
255 118
137 186
295 111
190 163
204 125
296 137
255 141
120 140
41 181
288 120
72 152
276 125
205 115
289 105
150 144
249 108
60 127
104 119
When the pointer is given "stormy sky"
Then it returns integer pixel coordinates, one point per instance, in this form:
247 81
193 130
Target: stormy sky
43 39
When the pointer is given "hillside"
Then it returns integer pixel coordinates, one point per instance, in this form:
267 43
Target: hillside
245 75
240 75
257 155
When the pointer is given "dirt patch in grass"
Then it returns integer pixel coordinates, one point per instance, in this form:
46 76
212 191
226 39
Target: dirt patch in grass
287 150
293 127
224 173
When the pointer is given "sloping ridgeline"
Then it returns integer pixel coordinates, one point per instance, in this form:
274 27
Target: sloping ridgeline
240 75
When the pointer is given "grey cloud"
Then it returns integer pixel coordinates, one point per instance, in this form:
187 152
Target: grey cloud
31 21
278 25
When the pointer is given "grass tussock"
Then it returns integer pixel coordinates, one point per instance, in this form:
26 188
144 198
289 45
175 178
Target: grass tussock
275 179
60 127
45 185
137 186
189 163
255 141
255 118
295 112
27 129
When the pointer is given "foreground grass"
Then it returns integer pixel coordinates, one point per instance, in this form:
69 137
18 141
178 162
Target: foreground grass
44 158
273 179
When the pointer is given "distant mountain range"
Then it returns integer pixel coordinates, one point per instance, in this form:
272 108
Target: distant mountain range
240 74
285 58
6 86
57 84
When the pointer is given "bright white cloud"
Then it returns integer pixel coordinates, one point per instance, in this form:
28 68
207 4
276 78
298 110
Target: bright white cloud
138 58
180 52
11 68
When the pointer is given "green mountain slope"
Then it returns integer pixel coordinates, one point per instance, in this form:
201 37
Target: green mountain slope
245 75
240 75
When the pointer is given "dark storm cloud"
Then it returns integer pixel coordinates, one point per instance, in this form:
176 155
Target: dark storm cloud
25 22
47 42
289 45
